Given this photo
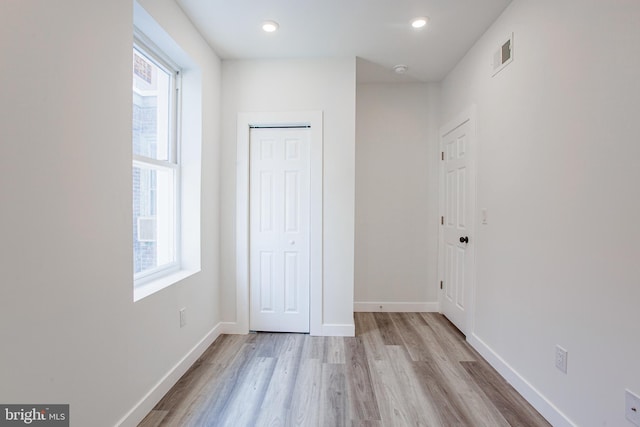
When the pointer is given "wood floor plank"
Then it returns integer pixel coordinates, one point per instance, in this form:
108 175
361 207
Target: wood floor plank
402 369
316 348
451 340
224 348
370 334
390 335
191 382
418 343
230 382
268 344
503 396
446 402
480 414
277 399
420 408
243 407
366 423
334 350
153 419
306 395
433 341
201 381
480 404
361 394
364 323
334 409
389 395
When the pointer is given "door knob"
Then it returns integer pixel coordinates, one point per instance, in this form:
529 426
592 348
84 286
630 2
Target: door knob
464 239
292 242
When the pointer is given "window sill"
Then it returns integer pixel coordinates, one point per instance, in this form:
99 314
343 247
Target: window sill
153 286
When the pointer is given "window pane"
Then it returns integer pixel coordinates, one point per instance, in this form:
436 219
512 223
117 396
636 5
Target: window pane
154 243
151 108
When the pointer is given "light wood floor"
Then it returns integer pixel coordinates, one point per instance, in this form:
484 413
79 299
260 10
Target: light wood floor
401 369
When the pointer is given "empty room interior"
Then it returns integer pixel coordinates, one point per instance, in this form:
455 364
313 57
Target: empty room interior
339 174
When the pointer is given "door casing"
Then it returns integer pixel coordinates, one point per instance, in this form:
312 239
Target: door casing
313 119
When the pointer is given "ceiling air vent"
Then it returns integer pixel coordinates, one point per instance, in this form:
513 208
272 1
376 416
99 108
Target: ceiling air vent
503 55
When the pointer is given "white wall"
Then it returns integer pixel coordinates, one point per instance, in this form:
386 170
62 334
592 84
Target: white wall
70 330
396 219
284 85
557 262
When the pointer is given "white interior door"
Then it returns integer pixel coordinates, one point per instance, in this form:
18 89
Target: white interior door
279 199
457 223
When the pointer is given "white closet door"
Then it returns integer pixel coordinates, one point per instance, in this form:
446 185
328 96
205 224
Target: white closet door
279 230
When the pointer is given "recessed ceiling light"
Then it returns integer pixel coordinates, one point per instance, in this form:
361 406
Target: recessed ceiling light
400 68
420 22
270 26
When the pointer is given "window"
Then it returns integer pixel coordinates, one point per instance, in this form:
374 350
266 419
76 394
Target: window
167 158
156 167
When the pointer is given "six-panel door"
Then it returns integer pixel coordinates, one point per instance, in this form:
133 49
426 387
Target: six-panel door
457 227
279 230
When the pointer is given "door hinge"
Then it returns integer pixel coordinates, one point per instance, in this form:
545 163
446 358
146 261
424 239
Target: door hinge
441 220
440 284
442 155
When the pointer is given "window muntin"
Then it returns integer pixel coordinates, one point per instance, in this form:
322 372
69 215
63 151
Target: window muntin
156 169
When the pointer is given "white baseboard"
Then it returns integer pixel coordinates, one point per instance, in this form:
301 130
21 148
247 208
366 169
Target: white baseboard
146 404
338 330
232 328
530 393
397 307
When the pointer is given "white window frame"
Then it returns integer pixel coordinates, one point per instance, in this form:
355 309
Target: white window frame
151 52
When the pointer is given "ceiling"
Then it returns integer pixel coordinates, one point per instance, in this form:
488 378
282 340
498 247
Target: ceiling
378 32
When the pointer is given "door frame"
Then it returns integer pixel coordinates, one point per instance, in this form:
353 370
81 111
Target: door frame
467 115
313 119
